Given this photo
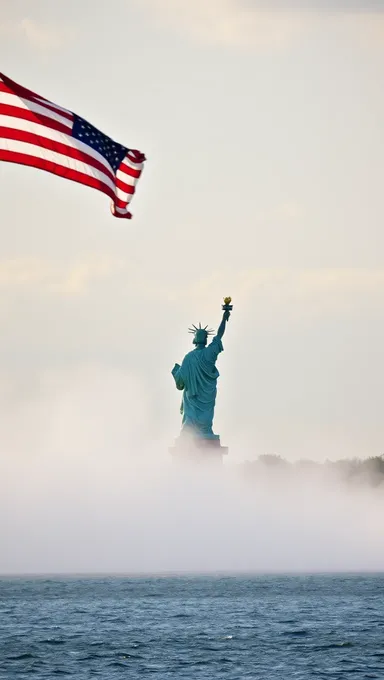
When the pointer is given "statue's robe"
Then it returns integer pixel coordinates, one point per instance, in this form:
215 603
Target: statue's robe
197 377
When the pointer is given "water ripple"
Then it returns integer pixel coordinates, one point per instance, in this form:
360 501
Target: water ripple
275 628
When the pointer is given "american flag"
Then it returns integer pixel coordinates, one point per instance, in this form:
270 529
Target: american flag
39 133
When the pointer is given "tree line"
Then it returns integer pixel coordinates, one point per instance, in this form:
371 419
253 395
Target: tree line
349 470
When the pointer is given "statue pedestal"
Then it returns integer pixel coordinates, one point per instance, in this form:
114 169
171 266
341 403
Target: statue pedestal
198 450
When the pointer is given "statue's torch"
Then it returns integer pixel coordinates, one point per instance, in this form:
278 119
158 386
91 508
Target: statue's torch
227 307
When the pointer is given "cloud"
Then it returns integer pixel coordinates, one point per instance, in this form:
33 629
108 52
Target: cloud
322 291
79 276
316 293
74 278
265 25
227 22
44 37
315 283
20 272
366 28
315 5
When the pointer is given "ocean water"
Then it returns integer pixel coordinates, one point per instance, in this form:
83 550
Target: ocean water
233 627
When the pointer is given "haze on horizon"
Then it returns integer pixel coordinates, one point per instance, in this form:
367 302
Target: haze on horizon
262 124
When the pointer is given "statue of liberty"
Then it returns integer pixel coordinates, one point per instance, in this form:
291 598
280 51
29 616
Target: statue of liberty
197 378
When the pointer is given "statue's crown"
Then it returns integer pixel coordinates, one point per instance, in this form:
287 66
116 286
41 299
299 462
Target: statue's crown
201 334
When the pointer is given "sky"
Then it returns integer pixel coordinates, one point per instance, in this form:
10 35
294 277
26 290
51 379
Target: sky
262 125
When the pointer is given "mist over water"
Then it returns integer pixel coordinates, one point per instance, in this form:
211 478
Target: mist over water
86 485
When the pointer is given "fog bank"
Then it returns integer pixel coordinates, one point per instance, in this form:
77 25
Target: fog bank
85 487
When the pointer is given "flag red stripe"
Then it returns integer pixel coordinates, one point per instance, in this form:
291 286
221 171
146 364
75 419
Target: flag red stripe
55 169
132 172
34 147
52 107
128 188
17 112
127 215
120 203
5 88
21 91
58 147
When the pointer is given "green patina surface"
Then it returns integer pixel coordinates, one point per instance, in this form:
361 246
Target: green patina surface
197 379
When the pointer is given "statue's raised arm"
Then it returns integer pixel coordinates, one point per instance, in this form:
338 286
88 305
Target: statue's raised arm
227 308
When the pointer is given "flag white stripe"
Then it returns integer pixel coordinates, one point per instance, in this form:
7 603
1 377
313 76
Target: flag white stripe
127 179
54 135
60 159
122 195
32 136
64 161
13 100
131 164
56 106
